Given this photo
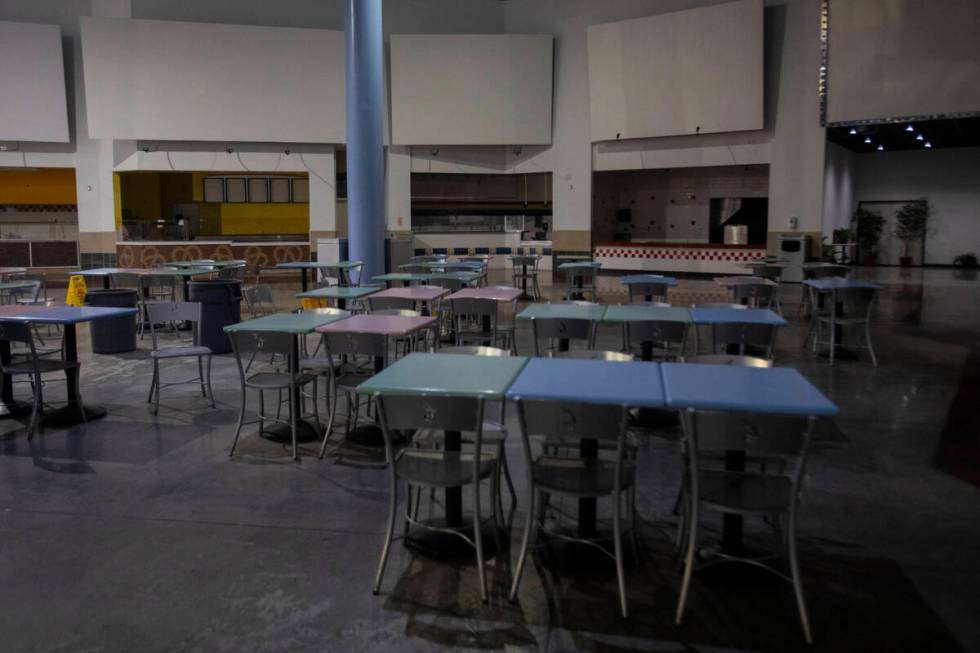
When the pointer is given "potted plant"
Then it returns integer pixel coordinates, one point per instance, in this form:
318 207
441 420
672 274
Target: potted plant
869 227
966 266
911 222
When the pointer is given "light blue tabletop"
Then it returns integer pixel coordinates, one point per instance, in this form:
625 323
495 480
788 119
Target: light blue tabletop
455 375
61 314
295 323
310 265
835 283
636 384
16 285
403 276
579 265
780 390
104 272
345 265
736 316
469 265
649 278
181 272
563 312
642 313
340 292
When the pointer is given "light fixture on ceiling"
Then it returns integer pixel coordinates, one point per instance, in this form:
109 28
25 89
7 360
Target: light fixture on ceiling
909 128
927 144
853 132
920 137
867 140
881 148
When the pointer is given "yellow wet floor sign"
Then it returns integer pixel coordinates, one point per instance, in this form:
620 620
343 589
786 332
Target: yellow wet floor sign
76 290
312 302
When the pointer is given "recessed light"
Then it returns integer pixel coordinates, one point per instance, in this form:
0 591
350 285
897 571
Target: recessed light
853 132
881 148
920 137
909 128
928 144
867 140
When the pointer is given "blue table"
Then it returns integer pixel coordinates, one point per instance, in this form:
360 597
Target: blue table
830 286
779 390
736 316
631 280
633 385
68 317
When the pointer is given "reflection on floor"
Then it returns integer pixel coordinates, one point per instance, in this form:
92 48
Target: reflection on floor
138 533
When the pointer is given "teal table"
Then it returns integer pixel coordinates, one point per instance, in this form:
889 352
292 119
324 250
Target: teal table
104 274
340 294
296 325
641 313
343 268
68 317
448 375
184 274
7 286
408 278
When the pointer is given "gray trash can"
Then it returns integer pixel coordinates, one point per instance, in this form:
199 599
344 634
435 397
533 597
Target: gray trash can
220 306
113 335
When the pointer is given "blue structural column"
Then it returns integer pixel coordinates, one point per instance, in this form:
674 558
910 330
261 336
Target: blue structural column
365 136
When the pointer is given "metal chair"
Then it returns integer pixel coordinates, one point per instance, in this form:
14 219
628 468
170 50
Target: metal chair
757 295
666 339
291 381
172 313
37 295
389 303
475 322
260 300
767 494
743 337
449 283
342 351
524 272
849 307
415 269
562 329
581 282
593 355
425 468
822 272
728 359
232 272
657 291
576 477
34 366
410 343
773 272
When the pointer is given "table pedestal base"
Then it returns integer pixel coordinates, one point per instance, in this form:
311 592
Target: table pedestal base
70 416
306 431
14 409
446 546
576 557
842 354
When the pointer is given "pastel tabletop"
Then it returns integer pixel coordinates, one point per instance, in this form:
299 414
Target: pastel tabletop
736 316
467 265
496 293
563 311
781 390
836 283
729 282
61 314
579 265
454 375
13 270
296 323
417 293
386 325
16 285
180 272
103 272
774 264
340 292
465 277
644 313
403 276
344 265
633 384
630 279
302 265
529 257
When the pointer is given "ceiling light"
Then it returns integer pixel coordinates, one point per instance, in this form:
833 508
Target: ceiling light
928 144
853 132
909 128
867 140
881 148
920 137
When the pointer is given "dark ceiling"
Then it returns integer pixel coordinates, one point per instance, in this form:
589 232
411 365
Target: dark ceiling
954 132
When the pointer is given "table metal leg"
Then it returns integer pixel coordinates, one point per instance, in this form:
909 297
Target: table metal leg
304 279
731 538
71 414
588 450
454 495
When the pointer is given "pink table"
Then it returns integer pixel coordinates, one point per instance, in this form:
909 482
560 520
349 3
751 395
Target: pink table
392 326
496 293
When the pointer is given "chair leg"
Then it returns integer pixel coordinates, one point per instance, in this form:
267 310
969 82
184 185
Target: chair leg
392 512
618 548
867 337
293 419
241 421
692 540
478 541
833 341
330 419
153 383
208 383
797 583
525 545
35 407
261 411
78 395
507 477
200 376
156 392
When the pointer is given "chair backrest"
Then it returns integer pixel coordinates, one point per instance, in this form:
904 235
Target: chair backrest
773 272
413 412
474 307
474 350
657 331
728 359
261 342
594 355
447 282
415 269
402 312
719 305
17 331
563 328
40 288
753 433
754 294
744 334
260 299
829 271
124 280
171 312
572 420
519 262
388 303
856 301
355 344
652 289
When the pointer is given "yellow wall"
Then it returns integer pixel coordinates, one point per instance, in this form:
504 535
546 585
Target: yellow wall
140 195
249 219
44 186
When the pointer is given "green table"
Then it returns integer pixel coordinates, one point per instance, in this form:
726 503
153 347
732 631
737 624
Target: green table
340 294
563 311
408 278
296 325
184 274
641 313
448 375
205 262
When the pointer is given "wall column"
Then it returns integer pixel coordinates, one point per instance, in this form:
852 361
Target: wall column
323 196
365 135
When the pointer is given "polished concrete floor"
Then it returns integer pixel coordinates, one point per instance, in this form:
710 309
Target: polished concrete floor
138 533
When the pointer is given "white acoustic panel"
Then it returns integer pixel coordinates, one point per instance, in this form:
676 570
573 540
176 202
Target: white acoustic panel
32 84
471 89
686 72
164 80
898 58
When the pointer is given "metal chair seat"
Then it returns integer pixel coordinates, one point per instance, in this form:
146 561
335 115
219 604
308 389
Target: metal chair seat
579 477
842 320
276 380
318 363
441 469
745 494
44 366
352 380
180 352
